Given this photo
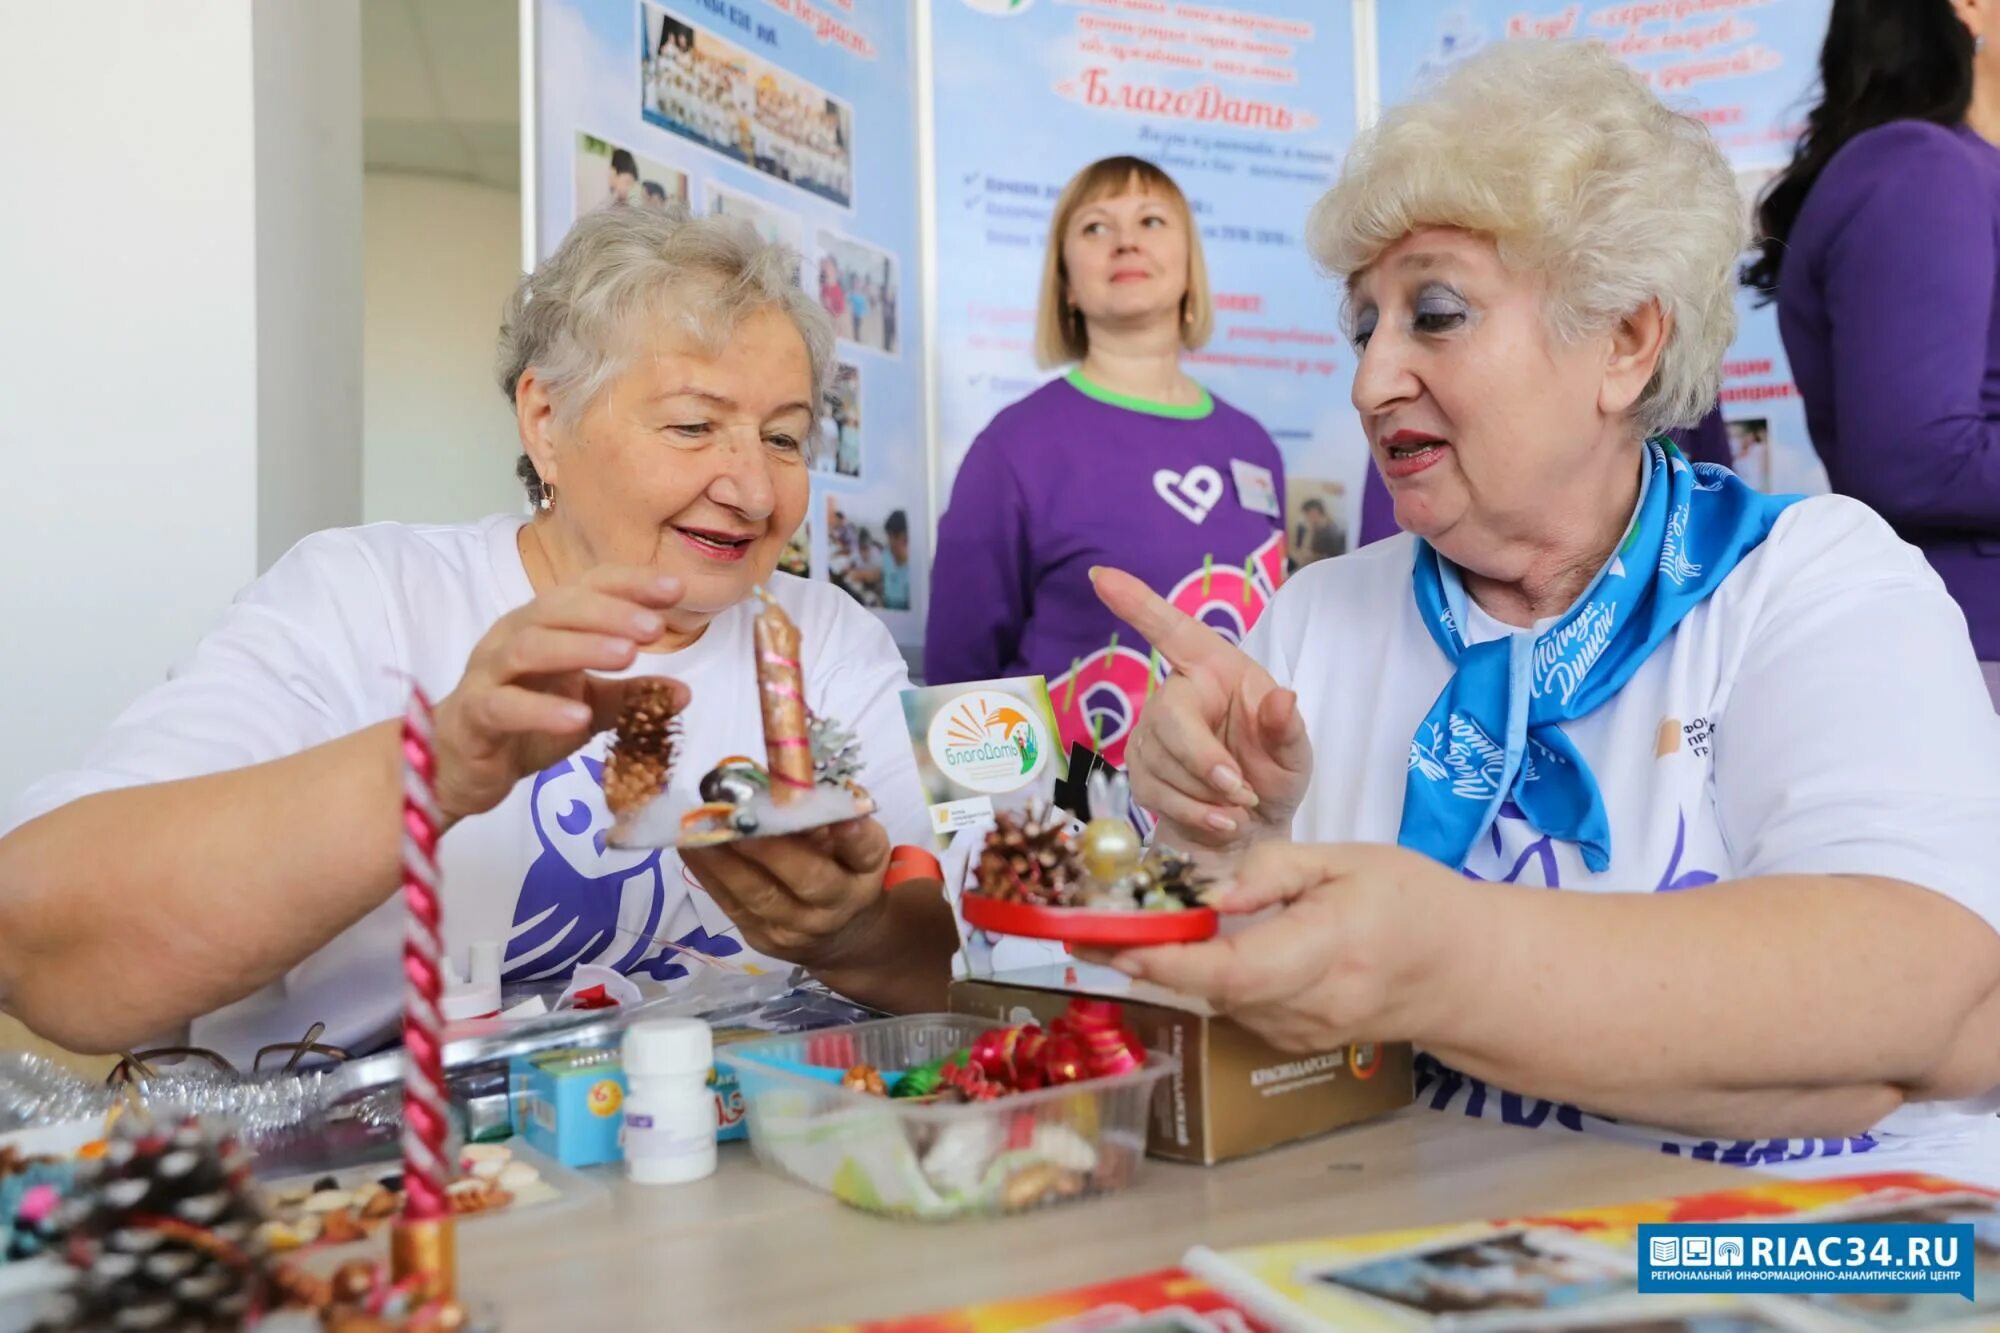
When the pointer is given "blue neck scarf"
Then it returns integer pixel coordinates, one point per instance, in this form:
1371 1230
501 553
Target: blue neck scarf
1495 734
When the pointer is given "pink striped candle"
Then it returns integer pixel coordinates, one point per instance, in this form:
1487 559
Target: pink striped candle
425 1172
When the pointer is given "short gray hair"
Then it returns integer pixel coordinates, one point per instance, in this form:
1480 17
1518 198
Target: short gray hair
572 320
1563 155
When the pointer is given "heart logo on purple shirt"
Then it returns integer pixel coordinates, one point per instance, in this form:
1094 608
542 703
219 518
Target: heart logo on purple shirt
1193 493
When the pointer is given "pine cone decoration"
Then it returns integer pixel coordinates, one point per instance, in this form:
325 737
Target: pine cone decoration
835 751
1030 858
162 1231
642 753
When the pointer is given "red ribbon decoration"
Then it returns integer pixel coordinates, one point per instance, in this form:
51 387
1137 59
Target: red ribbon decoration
592 997
1109 1047
1089 1041
970 1081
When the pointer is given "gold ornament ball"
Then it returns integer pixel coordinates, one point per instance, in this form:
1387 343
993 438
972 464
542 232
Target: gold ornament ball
1110 849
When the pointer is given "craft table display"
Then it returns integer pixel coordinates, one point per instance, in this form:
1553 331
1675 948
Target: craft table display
956 1117
746 1251
163 1227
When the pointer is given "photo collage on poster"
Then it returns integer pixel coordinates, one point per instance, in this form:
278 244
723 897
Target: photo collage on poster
757 121
707 89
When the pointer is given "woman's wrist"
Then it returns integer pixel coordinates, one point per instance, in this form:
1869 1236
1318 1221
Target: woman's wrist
456 800
1211 860
1420 928
895 953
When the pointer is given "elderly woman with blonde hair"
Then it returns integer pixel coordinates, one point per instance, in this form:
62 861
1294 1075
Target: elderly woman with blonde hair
225 859
1745 736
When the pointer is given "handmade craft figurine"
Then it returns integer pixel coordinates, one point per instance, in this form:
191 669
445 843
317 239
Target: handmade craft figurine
1041 875
166 1229
160 1232
810 775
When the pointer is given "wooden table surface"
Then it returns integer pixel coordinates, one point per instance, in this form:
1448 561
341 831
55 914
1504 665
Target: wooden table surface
748 1251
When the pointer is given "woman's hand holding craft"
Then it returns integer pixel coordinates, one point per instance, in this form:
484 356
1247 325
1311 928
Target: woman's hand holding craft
528 697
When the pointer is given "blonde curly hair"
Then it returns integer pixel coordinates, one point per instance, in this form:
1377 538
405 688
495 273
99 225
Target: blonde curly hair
1563 155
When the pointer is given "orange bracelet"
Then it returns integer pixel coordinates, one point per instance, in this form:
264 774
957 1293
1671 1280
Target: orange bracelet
907 863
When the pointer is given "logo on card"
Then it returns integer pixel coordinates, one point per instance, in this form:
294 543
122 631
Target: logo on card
1364 1059
988 740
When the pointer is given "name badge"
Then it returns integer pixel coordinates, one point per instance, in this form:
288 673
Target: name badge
1255 490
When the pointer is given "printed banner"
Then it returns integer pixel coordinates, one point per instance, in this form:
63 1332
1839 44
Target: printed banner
1746 68
1629 1269
799 117
1249 107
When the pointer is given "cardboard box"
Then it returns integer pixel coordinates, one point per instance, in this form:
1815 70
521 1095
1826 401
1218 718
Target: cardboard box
729 1122
559 1107
1234 1094
570 1105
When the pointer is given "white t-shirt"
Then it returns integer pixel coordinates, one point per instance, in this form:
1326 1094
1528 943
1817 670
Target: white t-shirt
327 642
1821 712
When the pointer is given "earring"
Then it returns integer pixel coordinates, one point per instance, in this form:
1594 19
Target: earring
1978 45
548 497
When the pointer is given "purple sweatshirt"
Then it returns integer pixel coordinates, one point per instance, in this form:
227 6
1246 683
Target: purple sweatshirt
1074 476
1886 303
1706 442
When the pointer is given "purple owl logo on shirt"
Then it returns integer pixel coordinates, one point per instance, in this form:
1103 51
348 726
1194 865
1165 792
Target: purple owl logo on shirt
1537 861
580 889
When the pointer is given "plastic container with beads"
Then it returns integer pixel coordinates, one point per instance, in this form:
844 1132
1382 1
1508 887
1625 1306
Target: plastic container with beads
936 1160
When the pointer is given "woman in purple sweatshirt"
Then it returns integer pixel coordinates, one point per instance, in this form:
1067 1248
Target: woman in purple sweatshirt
1882 246
1125 461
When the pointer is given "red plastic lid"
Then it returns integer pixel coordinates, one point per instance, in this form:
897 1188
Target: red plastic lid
1088 925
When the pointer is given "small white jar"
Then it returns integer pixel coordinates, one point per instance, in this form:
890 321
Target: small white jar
669 1129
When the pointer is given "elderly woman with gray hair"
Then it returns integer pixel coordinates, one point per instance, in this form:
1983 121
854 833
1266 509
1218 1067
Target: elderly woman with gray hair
225 861
1745 736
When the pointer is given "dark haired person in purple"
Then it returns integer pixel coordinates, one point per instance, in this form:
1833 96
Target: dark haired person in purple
1882 247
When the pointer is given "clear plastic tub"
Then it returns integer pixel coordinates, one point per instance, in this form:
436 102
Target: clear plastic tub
935 1161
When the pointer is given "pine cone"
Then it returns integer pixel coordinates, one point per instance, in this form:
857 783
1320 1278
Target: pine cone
1029 858
642 754
162 1232
835 751
1176 876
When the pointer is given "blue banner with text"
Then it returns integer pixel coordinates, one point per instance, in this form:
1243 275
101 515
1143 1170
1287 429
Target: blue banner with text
1742 1258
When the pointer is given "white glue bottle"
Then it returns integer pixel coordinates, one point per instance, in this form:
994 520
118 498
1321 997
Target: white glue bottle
669 1132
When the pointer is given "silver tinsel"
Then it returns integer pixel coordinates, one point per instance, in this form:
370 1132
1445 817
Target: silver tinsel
835 751
34 1090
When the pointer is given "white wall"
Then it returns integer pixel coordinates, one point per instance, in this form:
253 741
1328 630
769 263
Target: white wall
440 256
308 135
141 342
